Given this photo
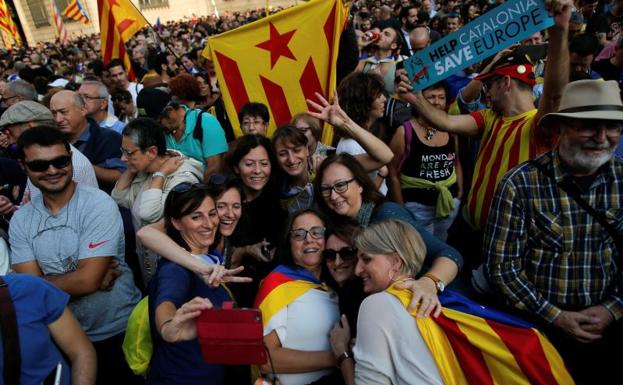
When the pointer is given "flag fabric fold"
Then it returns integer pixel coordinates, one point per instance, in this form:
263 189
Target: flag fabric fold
282 287
76 11
119 21
475 345
280 60
59 25
7 25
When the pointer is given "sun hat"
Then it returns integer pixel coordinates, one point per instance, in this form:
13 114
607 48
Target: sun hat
589 99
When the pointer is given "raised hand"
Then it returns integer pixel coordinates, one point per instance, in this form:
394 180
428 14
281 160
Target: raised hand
329 112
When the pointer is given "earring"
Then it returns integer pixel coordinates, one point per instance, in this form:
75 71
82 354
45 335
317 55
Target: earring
391 275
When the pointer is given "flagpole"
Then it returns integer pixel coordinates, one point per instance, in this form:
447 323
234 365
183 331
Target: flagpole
157 34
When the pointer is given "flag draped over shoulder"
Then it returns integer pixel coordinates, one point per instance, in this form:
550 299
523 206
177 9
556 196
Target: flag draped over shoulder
59 25
76 11
7 24
280 60
282 287
476 345
119 21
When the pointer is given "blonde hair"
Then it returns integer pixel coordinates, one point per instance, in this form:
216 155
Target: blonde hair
393 236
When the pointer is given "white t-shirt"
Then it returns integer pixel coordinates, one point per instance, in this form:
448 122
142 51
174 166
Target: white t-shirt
389 347
83 172
351 146
305 325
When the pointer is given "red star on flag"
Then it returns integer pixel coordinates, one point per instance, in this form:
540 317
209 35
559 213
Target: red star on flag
277 44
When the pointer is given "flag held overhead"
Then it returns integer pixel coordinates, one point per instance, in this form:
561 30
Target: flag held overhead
271 61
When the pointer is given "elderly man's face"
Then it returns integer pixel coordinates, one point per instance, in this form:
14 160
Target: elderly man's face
69 117
587 144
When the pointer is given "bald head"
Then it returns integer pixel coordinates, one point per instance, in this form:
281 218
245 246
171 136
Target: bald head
69 113
419 38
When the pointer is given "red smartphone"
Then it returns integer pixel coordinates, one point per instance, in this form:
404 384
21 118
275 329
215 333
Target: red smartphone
231 336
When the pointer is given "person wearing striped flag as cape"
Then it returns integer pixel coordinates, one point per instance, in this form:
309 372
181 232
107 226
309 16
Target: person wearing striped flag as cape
463 343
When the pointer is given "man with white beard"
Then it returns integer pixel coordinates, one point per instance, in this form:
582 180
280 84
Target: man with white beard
554 238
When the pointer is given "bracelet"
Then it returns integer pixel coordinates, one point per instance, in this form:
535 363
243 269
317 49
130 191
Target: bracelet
163 324
158 173
340 359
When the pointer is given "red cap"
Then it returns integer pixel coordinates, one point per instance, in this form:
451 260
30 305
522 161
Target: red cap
521 72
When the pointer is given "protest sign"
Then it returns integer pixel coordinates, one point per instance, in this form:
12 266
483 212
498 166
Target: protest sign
497 29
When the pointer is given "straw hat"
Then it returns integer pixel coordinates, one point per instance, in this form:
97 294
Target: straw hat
589 99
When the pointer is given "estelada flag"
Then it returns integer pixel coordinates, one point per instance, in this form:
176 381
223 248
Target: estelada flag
477 345
7 24
280 60
119 21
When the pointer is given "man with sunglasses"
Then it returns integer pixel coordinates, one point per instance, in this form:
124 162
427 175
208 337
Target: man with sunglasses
69 236
508 131
23 116
554 240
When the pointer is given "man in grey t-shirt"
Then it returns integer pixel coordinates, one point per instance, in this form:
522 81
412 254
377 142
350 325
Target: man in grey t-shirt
69 235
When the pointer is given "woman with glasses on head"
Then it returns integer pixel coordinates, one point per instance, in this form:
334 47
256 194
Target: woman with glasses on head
123 105
178 295
290 297
260 227
344 189
310 126
151 174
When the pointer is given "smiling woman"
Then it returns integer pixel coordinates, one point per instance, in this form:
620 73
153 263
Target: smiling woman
290 296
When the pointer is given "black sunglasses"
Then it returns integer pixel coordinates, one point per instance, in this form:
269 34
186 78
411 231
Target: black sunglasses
347 253
187 186
42 165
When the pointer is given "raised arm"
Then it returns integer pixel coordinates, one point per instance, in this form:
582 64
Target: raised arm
378 153
557 68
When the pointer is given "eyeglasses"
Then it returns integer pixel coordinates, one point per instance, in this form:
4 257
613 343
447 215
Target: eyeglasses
89 97
339 187
592 127
128 153
488 83
347 253
39 165
304 129
316 232
187 186
217 179
247 123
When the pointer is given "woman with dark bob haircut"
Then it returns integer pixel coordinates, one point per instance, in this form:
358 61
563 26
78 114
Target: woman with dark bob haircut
178 295
259 229
343 189
298 311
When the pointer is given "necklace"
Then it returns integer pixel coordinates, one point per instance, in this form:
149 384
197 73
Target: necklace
430 131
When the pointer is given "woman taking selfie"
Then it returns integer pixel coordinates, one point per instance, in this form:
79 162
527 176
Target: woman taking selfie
290 297
177 295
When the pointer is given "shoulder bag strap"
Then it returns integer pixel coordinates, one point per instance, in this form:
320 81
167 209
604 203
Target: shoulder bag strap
408 127
572 190
10 337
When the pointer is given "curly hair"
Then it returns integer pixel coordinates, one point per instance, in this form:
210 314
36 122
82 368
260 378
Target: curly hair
185 87
357 92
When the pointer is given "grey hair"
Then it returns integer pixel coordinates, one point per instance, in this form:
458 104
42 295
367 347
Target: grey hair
102 91
393 236
78 100
23 88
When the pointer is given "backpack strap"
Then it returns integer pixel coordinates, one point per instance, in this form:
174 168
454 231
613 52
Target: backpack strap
568 186
408 128
10 337
198 131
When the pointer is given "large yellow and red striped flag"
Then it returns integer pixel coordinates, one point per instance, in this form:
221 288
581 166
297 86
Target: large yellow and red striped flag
119 21
7 24
76 11
477 345
280 60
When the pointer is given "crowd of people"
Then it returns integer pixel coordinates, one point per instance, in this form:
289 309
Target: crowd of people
503 182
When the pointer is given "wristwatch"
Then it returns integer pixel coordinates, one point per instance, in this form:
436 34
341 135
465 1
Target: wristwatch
158 173
341 358
441 285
